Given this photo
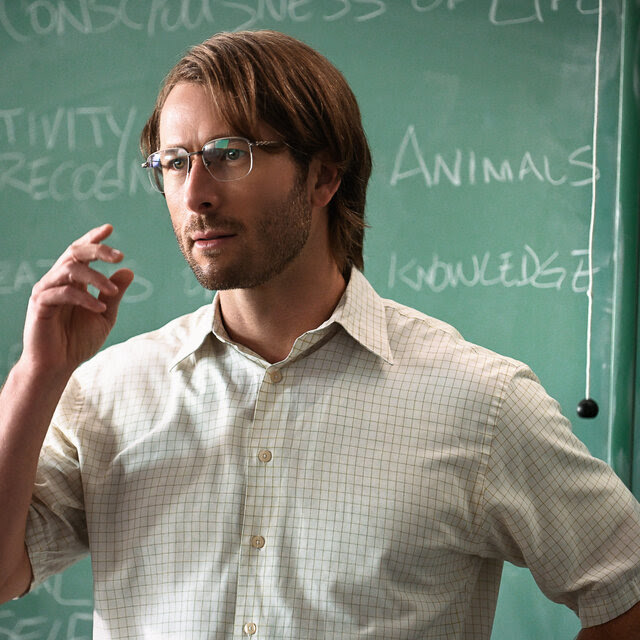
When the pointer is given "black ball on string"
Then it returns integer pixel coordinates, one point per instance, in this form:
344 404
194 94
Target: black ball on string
587 408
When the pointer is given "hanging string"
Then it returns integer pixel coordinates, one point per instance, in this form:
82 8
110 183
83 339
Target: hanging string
588 408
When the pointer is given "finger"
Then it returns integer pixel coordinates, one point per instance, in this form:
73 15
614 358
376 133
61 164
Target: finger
89 247
95 235
91 252
81 275
67 281
49 300
121 279
69 294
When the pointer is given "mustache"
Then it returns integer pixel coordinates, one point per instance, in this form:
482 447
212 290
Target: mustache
208 222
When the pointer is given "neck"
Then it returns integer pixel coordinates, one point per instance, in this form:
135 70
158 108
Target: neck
268 319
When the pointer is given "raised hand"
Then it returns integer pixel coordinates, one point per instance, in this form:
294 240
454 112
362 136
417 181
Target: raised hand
65 323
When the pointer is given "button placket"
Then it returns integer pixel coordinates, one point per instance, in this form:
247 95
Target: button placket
260 501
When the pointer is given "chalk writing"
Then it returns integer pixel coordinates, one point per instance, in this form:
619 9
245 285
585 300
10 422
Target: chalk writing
429 5
14 628
510 12
522 268
56 18
140 289
506 12
72 618
54 170
306 10
48 17
55 586
39 18
78 626
59 129
18 276
471 168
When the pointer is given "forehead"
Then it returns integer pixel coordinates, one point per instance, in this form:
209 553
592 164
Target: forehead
186 112
190 116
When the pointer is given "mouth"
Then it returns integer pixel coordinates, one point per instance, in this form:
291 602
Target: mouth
211 239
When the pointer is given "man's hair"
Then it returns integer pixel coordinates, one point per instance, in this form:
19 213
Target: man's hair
268 77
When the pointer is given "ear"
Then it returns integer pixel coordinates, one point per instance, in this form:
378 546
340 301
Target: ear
324 180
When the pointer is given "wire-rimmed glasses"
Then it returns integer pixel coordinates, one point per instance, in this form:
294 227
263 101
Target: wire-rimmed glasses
226 159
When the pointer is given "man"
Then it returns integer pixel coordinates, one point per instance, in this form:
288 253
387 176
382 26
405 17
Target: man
301 459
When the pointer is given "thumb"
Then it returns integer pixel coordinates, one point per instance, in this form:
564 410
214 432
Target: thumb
122 279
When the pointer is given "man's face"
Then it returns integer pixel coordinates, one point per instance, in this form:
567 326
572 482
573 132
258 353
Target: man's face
236 234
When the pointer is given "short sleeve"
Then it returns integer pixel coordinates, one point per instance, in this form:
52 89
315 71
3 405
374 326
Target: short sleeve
552 507
56 526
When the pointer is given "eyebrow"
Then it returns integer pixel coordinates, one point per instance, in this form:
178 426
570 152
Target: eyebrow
209 139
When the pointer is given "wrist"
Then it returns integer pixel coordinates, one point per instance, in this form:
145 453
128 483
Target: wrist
30 373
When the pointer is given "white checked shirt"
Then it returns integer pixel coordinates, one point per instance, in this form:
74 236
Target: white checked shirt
369 485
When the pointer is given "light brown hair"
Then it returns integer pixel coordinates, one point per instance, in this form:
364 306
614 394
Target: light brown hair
268 77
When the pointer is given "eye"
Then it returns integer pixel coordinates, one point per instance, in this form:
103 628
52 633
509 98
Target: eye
174 160
177 164
225 151
233 154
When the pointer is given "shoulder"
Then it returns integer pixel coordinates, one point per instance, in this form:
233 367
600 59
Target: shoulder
452 382
422 340
151 350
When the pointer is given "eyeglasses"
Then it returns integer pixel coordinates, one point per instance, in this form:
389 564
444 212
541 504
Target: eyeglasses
226 159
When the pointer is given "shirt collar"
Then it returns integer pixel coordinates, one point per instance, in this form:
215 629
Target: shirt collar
199 328
360 312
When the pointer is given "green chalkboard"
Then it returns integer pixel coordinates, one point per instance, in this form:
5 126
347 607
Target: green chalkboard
480 116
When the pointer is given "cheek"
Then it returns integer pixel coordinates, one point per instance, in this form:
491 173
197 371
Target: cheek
175 212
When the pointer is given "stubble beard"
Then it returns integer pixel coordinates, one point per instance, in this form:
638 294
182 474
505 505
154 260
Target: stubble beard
283 231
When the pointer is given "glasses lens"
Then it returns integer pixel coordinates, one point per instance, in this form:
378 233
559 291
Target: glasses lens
227 159
154 170
173 168
168 168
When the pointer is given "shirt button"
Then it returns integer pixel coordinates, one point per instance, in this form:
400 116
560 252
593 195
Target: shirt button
250 628
275 375
257 542
265 455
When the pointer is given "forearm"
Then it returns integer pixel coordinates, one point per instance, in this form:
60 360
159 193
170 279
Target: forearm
65 325
27 403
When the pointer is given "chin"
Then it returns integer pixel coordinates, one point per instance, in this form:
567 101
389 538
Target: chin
224 280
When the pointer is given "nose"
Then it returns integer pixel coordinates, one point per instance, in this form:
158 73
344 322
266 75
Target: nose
200 188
